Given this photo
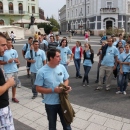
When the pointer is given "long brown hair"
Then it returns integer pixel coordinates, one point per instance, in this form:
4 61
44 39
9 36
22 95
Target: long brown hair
91 50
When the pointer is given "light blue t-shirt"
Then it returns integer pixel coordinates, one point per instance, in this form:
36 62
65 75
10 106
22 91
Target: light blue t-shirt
39 57
123 42
10 67
125 68
64 52
109 58
24 47
77 53
46 42
87 62
50 78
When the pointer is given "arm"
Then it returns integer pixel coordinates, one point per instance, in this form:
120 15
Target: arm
10 82
3 62
44 62
125 63
23 54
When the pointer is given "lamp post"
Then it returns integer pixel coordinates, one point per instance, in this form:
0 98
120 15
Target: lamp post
85 15
81 14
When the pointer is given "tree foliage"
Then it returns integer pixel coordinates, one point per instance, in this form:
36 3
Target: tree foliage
54 22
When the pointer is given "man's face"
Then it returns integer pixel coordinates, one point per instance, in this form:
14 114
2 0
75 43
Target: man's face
57 37
9 44
3 46
30 41
36 45
109 42
56 59
51 39
127 48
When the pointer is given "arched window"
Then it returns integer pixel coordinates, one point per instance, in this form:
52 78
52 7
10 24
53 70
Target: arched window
20 6
1 22
11 9
76 25
1 7
72 13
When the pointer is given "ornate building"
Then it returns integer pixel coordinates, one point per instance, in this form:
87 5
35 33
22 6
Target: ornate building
97 14
12 10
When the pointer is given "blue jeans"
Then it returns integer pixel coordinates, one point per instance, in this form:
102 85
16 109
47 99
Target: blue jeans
86 71
77 66
66 66
52 111
33 77
123 80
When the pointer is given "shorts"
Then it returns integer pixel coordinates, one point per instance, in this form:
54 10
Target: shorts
6 119
15 75
28 65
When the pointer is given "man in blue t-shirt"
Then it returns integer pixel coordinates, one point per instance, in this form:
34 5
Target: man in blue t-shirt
9 62
26 48
37 58
108 63
47 81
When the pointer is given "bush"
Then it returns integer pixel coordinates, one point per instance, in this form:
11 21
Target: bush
54 29
47 27
101 34
114 31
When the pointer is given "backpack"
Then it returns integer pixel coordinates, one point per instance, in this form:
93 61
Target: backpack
26 48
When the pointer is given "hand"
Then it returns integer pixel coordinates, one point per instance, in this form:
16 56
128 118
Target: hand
58 90
10 60
121 62
69 89
32 61
114 67
121 71
68 62
11 81
16 60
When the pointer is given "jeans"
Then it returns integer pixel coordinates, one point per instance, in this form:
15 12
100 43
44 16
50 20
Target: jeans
33 77
52 111
123 79
66 66
77 66
86 70
13 40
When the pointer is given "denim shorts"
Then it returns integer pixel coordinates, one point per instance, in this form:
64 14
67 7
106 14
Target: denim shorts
6 119
15 75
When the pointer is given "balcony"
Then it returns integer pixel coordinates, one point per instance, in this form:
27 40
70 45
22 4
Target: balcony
12 12
109 10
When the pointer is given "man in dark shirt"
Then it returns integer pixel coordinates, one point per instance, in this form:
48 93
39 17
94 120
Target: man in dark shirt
6 119
52 44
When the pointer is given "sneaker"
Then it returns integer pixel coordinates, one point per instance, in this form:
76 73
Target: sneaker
33 97
15 100
98 88
107 88
80 77
118 92
87 85
83 85
124 92
28 75
96 81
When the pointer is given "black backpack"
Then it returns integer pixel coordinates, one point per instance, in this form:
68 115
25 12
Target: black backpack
26 48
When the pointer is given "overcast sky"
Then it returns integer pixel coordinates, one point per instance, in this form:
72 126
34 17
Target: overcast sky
51 7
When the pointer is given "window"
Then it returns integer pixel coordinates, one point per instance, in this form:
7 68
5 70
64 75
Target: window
68 14
11 9
1 22
33 9
128 8
71 3
68 3
28 10
109 4
1 7
76 12
20 8
88 9
72 13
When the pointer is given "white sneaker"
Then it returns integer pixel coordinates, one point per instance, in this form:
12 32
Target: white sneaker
124 92
83 84
87 85
98 88
118 92
107 88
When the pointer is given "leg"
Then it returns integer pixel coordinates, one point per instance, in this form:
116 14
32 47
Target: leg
52 111
109 71
76 66
121 82
98 66
87 72
33 77
84 78
65 127
79 61
101 75
125 82
66 66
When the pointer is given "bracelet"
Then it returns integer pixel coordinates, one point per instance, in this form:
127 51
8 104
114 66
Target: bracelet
53 90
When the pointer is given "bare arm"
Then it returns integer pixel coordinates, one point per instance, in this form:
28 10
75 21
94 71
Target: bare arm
44 62
23 54
3 62
10 82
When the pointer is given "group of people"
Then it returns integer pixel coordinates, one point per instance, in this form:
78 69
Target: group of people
47 65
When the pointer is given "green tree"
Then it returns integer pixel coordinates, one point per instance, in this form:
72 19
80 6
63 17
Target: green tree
54 22
47 27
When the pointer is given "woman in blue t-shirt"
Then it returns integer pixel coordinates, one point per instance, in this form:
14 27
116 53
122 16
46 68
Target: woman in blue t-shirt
88 55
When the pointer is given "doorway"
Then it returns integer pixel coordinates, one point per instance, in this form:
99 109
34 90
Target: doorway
108 24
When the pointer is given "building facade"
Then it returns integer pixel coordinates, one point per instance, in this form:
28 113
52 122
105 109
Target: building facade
12 10
97 14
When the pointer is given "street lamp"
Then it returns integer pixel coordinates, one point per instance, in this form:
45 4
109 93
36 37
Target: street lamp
81 25
85 15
